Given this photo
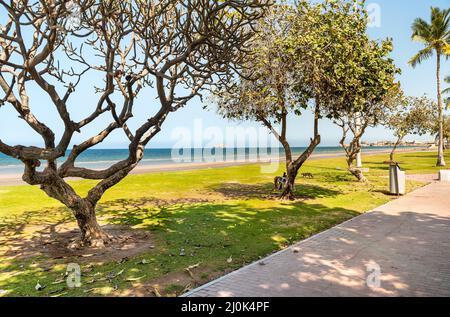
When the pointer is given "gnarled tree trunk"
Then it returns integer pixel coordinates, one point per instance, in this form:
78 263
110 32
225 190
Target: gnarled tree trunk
91 232
293 166
83 209
355 171
288 192
174 57
352 149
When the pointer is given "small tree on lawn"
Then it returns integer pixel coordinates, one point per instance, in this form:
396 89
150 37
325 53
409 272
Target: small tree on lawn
295 66
122 48
372 93
265 90
414 115
445 130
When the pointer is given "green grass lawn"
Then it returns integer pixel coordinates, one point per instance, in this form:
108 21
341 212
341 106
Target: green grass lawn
215 219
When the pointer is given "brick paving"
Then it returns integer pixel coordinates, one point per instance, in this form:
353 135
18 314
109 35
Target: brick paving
407 239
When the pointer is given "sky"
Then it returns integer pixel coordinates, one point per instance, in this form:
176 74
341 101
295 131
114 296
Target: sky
396 17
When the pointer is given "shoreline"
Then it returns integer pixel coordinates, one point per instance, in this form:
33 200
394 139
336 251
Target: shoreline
16 179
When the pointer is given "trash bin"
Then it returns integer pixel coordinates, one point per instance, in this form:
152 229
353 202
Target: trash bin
397 180
444 175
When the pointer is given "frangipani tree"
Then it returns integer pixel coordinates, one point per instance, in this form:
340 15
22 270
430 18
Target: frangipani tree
367 93
265 90
355 123
297 65
363 87
436 38
414 115
174 49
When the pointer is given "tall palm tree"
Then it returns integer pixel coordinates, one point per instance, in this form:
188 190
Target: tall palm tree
436 38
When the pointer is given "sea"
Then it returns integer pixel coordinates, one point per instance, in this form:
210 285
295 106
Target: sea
102 158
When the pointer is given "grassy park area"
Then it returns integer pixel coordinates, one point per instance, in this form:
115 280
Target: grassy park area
197 225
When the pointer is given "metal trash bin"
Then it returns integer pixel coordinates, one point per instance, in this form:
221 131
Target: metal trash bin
397 180
444 175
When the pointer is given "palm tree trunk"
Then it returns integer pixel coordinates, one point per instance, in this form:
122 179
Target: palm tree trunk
440 160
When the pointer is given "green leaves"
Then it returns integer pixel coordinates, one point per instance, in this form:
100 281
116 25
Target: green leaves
315 53
434 35
421 56
265 87
412 115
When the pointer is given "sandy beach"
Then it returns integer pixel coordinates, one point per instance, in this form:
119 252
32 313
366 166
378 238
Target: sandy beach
16 179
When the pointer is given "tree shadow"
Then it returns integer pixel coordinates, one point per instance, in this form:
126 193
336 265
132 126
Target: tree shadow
384 192
16 225
209 233
217 224
52 241
343 176
380 166
267 191
410 250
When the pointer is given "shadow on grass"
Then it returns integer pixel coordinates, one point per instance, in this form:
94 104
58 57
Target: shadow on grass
26 234
208 233
212 233
380 166
51 217
213 223
209 224
343 177
266 190
407 254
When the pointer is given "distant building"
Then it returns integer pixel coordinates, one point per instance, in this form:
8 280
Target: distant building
392 143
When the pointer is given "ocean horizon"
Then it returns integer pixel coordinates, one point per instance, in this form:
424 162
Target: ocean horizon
103 158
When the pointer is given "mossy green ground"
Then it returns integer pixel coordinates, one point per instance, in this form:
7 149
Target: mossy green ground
223 218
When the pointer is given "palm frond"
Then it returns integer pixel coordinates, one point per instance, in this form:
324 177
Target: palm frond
421 31
434 35
446 49
423 55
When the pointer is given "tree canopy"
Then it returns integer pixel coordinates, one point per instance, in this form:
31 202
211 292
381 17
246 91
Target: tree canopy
314 56
413 115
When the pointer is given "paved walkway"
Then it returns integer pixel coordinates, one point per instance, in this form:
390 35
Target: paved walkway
408 240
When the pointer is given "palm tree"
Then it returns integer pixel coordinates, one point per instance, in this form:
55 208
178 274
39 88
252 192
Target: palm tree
436 38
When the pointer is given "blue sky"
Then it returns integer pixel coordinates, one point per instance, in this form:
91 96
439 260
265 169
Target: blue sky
396 19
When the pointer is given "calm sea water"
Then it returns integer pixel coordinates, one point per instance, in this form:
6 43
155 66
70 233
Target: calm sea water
101 158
